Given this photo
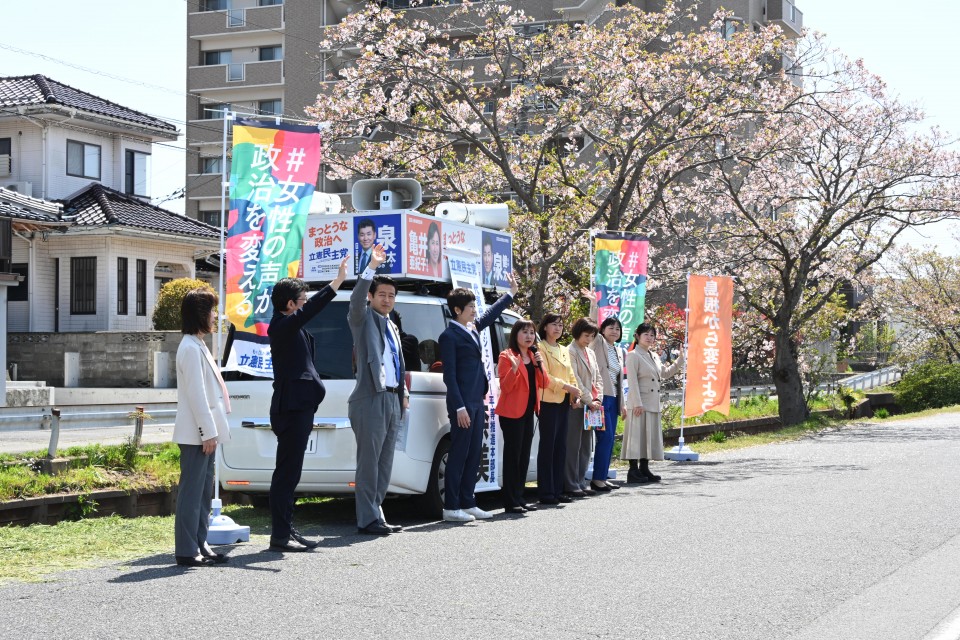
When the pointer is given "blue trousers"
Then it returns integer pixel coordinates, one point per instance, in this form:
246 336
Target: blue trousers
552 454
605 438
463 460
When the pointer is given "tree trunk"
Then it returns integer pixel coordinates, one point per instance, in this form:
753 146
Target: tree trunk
786 378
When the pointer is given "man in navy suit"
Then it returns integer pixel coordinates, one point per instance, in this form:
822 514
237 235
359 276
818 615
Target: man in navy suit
297 393
467 384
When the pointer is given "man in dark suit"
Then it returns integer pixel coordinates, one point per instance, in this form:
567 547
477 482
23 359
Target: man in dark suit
297 393
467 384
380 396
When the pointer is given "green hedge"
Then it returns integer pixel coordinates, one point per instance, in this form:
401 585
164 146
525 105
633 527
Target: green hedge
929 386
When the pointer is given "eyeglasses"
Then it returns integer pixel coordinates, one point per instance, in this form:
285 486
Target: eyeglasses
303 299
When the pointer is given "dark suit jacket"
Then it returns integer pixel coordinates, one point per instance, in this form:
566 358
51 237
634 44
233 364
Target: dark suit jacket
463 372
296 384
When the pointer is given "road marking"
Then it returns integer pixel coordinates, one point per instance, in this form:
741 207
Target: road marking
948 629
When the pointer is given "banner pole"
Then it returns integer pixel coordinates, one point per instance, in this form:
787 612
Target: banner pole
680 452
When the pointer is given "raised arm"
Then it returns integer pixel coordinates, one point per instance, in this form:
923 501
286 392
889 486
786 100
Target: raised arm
493 311
358 298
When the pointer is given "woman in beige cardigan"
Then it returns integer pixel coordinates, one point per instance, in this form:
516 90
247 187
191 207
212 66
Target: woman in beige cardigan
642 433
587 374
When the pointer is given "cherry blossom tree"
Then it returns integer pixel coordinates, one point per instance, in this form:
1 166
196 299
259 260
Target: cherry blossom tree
817 191
918 294
583 126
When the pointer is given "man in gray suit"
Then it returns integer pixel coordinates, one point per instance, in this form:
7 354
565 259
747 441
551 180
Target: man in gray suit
376 405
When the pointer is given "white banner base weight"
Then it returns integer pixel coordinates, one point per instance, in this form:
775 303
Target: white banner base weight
223 530
681 454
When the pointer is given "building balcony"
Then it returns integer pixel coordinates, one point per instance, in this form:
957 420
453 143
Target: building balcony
216 23
785 14
238 74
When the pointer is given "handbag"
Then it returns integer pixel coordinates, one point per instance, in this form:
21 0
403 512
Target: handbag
593 419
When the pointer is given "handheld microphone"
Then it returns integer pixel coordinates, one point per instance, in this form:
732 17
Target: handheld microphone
533 349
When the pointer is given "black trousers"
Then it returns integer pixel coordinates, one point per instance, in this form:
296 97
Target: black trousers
517 440
552 454
292 429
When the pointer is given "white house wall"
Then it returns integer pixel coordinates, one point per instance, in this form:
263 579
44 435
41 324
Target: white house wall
26 145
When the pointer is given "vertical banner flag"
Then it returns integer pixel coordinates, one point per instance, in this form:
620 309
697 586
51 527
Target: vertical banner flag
620 275
709 354
273 172
465 272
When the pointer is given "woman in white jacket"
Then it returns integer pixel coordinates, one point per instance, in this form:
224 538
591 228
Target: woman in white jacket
642 433
201 423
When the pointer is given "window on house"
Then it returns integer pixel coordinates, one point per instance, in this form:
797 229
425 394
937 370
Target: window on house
211 218
217 57
271 107
136 173
83 286
6 162
214 111
83 160
211 165
268 3
19 292
141 287
214 5
271 53
122 293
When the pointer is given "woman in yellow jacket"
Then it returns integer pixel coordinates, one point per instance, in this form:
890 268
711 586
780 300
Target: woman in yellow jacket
554 411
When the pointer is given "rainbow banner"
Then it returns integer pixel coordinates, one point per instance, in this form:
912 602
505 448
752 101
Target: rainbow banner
272 177
620 277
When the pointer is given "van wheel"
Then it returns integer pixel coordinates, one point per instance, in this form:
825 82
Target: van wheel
432 499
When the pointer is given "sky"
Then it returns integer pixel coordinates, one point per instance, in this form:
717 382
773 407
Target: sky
914 51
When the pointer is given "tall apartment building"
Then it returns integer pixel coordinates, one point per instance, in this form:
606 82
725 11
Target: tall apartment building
262 57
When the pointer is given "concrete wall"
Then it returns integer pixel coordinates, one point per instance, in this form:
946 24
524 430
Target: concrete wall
107 358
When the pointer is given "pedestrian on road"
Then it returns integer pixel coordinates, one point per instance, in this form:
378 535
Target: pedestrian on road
466 381
376 406
610 360
520 368
642 432
554 411
580 439
297 393
201 423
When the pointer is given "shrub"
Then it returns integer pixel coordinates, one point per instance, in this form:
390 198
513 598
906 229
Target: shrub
718 436
929 386
881 413
166 313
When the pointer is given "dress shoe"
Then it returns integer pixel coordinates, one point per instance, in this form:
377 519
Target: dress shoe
478 513
207 552
394 528
610 485
564 499
577 495
194 561
375 528
635 477
529 507
549 500
600 488
457 515
287 545
519 510
307 542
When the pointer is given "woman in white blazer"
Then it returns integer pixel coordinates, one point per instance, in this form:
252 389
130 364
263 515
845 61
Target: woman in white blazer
642 433
201 424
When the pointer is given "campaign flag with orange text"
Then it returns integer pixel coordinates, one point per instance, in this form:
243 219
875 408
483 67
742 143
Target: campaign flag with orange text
709 352
272 176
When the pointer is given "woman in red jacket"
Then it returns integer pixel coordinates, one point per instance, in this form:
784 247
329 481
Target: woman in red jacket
521 373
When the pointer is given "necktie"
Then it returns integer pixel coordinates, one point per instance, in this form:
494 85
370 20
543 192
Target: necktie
364 261
394 349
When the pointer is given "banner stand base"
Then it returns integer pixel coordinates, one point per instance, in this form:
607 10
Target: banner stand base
681 453
223 530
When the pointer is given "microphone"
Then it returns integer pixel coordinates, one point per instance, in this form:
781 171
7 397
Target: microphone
533 349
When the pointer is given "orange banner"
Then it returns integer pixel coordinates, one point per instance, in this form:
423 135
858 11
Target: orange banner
709 355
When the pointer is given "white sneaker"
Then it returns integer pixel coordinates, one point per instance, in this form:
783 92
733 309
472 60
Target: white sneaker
478 513
457 515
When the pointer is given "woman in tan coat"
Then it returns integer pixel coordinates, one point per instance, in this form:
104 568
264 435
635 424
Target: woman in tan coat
642 433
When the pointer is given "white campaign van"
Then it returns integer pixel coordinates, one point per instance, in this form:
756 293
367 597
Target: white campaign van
248 460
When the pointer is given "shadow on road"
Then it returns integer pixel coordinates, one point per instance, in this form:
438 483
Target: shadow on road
161 566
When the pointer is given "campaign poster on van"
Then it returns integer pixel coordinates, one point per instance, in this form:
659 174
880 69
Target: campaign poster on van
326 242
371 230
424 247
465 272
496 259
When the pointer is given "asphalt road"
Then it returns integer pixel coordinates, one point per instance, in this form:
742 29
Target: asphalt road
849 534
24 440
